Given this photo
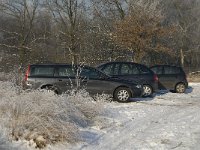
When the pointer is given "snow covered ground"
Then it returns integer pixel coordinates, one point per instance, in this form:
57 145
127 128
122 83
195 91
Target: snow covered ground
166 121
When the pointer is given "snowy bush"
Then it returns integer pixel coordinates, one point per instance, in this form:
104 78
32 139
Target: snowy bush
4 142
44 117
14 76
5 76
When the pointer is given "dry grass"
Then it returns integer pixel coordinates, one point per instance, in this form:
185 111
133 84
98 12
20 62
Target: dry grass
194 77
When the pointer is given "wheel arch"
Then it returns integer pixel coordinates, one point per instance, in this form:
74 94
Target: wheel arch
152 89
51 85
46 85
148 85
122 86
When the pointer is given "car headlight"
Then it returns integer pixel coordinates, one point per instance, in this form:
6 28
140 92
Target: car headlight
138 86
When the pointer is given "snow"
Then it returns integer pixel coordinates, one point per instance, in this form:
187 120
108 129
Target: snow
165 121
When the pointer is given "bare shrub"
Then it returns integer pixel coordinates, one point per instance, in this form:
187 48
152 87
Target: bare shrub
103 97
43 117
15 76
85 103
5 76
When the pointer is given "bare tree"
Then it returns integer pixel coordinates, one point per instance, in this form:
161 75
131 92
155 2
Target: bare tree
186 15
67 14
23 13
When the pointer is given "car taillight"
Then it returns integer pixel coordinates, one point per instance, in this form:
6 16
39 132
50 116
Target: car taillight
27 73
155 78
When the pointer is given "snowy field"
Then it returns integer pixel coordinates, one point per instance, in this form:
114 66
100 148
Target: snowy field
166 121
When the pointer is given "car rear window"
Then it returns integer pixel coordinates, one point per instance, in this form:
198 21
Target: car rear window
42 71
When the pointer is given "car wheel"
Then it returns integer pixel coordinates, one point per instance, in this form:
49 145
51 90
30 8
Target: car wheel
122 94
147 90
51 88
180 88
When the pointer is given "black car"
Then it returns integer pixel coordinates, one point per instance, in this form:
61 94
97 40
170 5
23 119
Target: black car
132 71
171 78
63 77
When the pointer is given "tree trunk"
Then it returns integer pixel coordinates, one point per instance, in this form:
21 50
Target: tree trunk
181 57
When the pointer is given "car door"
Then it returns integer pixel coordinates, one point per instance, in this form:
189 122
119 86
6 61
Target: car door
94 81
169 78
65 77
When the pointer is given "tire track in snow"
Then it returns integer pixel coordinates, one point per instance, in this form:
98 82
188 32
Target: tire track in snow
122 134
160 114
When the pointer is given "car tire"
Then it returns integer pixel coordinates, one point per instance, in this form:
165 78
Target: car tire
122 94
147 91
180 88
51 88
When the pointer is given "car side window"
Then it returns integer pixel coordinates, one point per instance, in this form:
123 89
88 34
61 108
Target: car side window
108 69
157 69
168 70
127 69
171 70
134 69
144 70
116 69
66 71
90 73
176 70
47 71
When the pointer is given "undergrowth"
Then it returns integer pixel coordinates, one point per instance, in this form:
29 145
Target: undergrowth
43 117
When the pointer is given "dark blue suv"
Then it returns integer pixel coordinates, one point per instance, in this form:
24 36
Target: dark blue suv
132 71
171 78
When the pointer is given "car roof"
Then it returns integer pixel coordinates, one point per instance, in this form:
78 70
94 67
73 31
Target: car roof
62 64
165 66
46 64
113 62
